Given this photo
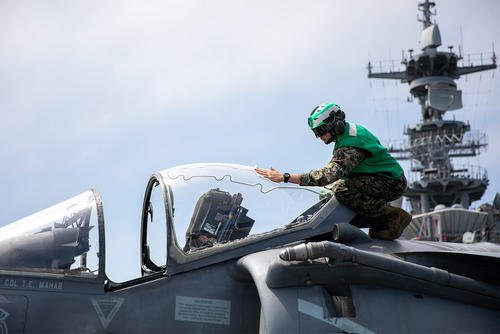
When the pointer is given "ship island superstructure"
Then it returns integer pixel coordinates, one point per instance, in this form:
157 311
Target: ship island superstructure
444 191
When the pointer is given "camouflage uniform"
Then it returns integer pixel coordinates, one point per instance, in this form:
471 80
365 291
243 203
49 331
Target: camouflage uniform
366 194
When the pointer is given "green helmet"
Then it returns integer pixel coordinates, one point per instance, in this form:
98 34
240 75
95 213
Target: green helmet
325 118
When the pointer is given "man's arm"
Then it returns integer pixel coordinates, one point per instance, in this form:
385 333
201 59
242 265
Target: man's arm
344 160
276 176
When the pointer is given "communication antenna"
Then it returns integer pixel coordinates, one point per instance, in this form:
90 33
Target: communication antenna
461 43
425 8
493 56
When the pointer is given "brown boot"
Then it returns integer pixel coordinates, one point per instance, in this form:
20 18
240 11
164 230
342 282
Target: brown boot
397 219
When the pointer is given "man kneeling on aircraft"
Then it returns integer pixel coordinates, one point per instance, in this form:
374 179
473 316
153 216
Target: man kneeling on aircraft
362 174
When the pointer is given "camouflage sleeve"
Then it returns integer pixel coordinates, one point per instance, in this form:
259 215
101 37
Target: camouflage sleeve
344 160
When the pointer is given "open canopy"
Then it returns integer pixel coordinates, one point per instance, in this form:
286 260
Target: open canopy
61 239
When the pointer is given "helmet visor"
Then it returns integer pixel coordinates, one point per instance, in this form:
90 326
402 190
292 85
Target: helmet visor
322 129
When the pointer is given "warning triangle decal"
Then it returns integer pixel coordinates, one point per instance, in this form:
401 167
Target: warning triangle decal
106 308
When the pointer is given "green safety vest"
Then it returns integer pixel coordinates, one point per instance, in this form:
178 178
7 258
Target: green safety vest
380 161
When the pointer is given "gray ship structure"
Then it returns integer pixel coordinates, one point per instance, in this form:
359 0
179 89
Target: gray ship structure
440 198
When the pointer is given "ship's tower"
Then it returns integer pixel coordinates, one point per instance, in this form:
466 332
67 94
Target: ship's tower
431 75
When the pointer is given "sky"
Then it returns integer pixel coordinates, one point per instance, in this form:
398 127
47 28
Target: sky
102 94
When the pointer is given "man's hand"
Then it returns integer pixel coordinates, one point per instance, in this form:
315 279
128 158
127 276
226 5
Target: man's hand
271 174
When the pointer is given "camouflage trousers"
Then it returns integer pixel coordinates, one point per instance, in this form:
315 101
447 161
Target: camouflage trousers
368 194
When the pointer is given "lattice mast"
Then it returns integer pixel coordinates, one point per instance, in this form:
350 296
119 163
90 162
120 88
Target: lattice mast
432 143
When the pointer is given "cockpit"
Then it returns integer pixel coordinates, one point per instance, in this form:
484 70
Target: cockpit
221 203
211 208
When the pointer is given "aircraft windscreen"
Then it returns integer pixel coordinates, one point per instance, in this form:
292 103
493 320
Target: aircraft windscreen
61 239
221 203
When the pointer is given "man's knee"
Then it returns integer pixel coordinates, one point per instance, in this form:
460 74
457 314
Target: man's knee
342 191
